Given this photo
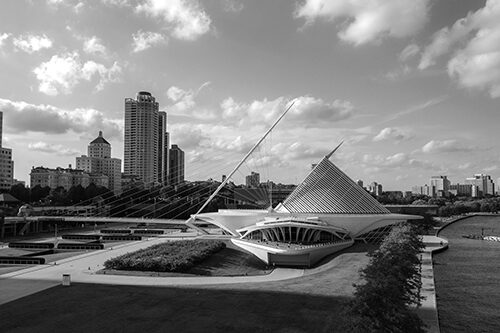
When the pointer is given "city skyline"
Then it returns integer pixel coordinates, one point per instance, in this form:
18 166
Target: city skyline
414 91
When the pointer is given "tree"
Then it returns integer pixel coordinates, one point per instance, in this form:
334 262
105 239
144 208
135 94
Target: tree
392 286
38 193
76 194
20 192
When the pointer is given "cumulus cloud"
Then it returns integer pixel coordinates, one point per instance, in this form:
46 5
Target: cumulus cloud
368 21
445 146
93 45
32 43
474 45
184 18
143 40
52 149
3 37
392 133
63 72
26 117
307 110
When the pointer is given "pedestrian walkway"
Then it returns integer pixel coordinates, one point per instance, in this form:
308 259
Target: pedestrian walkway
428 311
84 268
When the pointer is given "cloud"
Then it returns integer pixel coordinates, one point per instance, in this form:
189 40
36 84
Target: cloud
232 6
445 146
409 52
63 72
143 40
474 45
368 21
32 43
416 108
307 111
93 45
392 133
25 117
3 37
52 149
184 18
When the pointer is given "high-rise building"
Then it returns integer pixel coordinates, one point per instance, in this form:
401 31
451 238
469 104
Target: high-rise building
253 179
6 163
484 183
141 148
176 165
441 185
100 162
163 149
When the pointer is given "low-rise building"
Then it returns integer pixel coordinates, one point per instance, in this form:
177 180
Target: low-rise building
58 177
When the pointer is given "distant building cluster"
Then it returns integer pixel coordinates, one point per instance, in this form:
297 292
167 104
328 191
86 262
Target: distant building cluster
478 186
148 157
374 188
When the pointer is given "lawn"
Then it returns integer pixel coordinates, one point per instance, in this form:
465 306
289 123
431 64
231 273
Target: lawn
467 278
312 303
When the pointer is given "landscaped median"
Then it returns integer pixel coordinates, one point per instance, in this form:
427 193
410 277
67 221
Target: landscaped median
177 256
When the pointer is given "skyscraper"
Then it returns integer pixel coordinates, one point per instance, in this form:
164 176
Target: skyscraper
141 149
100 162
6 163
163 149
176 165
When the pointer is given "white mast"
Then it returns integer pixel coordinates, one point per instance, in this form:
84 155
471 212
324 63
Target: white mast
193 217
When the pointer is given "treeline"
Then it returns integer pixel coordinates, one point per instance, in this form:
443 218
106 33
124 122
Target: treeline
42 196
391 292
137 201
458 206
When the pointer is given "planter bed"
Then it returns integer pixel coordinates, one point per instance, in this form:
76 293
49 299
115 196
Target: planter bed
177 256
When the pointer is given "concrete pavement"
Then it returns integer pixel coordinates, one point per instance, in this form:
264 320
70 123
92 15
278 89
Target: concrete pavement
83 268
428 310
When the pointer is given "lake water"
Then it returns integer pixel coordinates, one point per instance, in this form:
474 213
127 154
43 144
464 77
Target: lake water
468 277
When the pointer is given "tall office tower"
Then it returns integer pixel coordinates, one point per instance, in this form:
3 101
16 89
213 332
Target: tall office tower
6 163
163 149
141 138
253 179
484 183
100 162
176 165
441 185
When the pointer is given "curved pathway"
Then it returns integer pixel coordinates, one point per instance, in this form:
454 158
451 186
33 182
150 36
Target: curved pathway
428 310
83 268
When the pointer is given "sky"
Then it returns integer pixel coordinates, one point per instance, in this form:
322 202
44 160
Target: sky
412 87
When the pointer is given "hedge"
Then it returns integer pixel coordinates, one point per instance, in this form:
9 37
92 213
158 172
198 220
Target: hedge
178 256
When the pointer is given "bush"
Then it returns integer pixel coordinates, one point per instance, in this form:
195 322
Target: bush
176 256
393 282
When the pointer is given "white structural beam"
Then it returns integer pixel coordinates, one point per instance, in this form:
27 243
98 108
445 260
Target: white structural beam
192 218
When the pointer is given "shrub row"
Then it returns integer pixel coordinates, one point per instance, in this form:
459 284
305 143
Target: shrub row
387 299
176 256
